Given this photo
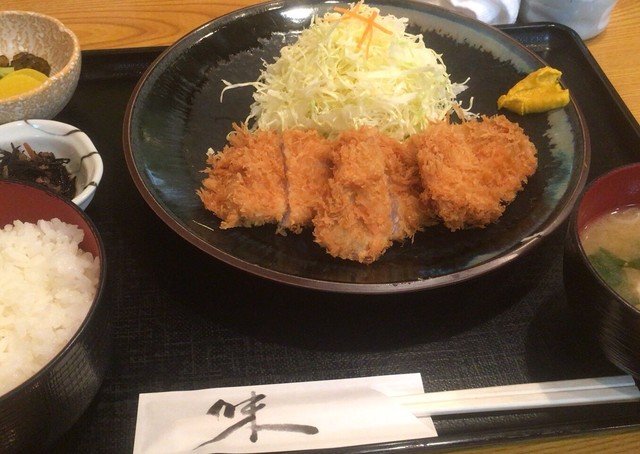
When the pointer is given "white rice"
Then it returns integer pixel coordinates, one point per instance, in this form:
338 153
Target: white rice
47 285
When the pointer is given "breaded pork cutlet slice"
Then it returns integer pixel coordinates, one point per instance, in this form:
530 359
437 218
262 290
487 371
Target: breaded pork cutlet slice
408 214
471 171
373 199
354 222
307 167
245 185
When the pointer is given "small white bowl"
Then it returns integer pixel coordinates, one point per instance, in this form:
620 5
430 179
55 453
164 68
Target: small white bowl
64 141
48 38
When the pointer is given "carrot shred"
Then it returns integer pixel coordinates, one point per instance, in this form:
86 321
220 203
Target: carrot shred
30 152
370 21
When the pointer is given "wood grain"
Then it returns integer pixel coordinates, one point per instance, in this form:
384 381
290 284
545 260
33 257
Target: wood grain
112 24
617 51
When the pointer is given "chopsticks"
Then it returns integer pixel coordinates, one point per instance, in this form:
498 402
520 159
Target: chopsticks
523 396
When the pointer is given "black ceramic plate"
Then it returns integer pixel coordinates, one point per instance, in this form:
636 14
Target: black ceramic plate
175 115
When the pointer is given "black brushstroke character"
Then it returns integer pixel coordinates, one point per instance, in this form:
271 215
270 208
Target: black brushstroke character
249 409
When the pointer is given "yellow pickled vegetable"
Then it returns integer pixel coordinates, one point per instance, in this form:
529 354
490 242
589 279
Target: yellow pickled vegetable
540 91
37 75
20 81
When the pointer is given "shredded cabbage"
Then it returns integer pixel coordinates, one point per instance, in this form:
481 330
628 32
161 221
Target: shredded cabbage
344 73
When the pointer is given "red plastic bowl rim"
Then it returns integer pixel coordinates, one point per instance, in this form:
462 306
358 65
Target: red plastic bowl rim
40 374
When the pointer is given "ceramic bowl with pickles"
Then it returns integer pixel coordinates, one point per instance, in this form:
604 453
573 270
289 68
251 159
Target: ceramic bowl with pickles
40 64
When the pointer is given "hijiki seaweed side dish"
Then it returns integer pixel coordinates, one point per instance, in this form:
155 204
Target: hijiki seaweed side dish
44 168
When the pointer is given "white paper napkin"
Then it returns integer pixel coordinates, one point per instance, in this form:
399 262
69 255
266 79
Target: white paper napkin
587 17
280 417
489 11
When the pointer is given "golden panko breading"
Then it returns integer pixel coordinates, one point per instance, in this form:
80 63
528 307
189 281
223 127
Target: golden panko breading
355 220
307 158
245 185
409 215
471 171
363 190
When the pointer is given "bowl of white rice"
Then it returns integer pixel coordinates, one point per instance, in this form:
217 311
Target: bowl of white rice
55 333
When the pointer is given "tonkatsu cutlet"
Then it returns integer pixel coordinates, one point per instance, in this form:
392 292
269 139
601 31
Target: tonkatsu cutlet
472 170
265 177
307 168
408 214
354 221
245 185
363 190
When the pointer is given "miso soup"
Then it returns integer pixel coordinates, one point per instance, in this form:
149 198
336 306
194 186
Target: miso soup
612 243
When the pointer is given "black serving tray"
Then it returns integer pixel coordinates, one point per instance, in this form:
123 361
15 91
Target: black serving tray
186 321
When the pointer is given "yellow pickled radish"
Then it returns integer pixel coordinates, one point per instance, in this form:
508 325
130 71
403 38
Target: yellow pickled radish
20 81
37 75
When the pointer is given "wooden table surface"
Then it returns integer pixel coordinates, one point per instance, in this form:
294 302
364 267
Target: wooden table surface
112 24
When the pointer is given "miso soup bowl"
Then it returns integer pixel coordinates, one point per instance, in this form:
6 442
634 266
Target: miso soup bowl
605 316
